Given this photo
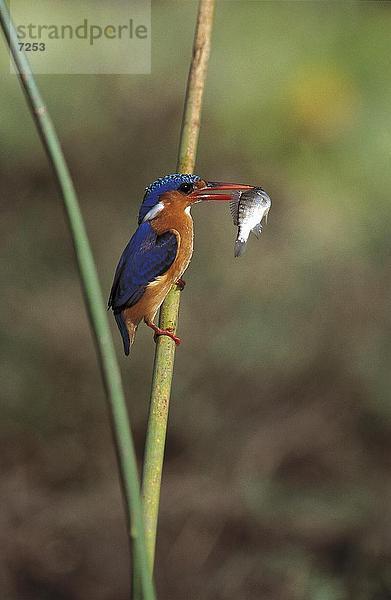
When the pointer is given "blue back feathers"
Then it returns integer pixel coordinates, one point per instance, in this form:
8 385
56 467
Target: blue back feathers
158 187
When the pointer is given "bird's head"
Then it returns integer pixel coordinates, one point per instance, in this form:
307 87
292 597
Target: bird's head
181 190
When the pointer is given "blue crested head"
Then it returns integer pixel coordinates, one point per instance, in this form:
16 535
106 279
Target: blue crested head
160 186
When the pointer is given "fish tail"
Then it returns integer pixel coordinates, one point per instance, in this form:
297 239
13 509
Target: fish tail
127 330
240 246
241 240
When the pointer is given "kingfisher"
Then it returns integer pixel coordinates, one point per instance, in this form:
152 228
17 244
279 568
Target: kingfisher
160 250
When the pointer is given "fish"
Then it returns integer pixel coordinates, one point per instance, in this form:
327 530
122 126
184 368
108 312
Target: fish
248 209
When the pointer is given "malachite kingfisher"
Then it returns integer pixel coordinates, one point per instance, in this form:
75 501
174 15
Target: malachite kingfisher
160 250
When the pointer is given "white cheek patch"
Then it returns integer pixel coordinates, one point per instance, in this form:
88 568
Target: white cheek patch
155 210
187 210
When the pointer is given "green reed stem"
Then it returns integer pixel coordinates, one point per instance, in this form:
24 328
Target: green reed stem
95 308
165 347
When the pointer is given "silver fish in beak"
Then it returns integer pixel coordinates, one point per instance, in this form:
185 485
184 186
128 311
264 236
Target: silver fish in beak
248 208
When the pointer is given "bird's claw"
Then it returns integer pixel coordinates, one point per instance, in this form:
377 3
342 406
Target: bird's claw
181 284
169 332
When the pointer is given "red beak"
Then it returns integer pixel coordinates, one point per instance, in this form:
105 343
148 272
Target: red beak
218 191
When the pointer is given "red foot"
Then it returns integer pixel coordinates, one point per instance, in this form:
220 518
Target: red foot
168 332
181 284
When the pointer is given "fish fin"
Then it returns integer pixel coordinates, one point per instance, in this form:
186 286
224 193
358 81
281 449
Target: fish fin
240 246
257 230
234 208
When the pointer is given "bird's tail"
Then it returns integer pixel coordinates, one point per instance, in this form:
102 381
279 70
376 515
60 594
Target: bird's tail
127 330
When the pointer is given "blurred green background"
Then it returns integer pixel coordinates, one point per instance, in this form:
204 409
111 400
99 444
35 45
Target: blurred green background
277 478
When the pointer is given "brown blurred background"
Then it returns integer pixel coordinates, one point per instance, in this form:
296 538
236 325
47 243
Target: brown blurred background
277 477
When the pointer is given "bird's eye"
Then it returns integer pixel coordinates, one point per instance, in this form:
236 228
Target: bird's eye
186 188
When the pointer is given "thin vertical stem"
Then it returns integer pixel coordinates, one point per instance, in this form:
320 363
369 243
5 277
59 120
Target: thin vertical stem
165 347
95 307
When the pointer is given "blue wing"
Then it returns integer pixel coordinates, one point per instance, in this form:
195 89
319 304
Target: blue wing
146 256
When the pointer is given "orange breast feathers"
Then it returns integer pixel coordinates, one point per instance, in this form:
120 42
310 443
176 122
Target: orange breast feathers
180 223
